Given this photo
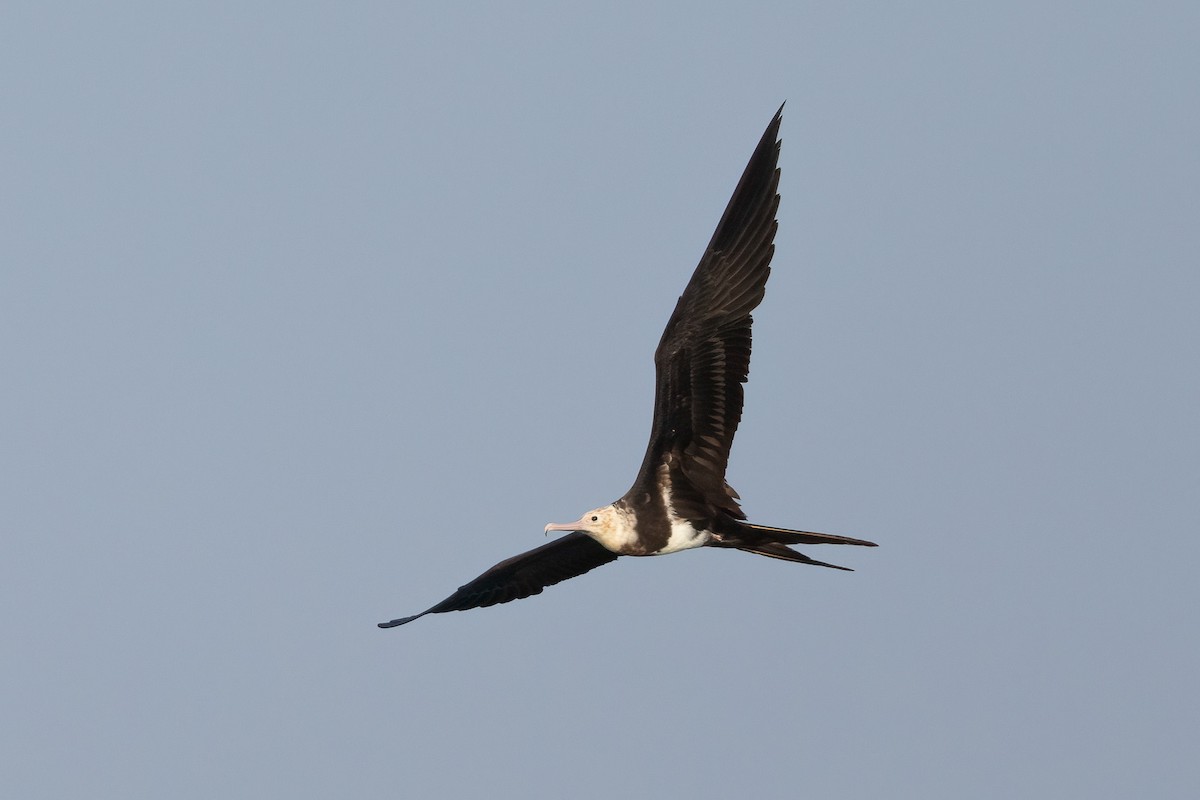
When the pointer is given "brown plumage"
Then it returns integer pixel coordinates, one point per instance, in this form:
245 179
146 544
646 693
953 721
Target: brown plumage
703 357
524 575
680 499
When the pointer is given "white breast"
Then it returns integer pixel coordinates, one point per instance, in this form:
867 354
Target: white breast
683 535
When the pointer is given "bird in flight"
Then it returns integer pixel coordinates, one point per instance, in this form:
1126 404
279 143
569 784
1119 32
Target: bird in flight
680 499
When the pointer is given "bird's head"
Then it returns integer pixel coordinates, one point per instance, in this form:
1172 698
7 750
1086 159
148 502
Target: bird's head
607 525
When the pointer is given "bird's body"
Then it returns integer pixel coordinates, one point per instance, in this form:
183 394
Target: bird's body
680 499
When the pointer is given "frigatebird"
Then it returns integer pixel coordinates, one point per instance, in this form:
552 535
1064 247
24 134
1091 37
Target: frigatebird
680 499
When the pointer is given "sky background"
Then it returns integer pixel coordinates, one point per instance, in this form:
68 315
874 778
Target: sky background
309 314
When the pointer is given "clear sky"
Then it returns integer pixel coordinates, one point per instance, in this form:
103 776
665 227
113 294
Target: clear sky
311 312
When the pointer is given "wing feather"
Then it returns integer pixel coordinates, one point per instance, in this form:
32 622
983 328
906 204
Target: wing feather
703 357
523 575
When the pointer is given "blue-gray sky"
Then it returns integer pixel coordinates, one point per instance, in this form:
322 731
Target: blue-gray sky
310 314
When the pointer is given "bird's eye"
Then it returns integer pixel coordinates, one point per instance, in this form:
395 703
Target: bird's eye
595 519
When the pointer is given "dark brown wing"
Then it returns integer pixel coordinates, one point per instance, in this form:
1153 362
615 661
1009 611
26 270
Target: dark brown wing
524 575
704 355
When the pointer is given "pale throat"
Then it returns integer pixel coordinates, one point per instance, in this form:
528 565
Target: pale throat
617 531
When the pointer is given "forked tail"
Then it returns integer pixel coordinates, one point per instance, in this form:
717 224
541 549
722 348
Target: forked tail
773 543
786 536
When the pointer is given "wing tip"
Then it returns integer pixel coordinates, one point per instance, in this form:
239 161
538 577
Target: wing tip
395 623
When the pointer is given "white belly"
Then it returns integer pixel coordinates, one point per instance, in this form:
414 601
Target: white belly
683 536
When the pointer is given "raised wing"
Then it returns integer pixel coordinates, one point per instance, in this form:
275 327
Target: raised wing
703 357
524 575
